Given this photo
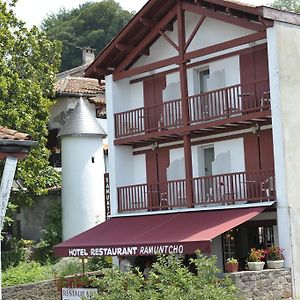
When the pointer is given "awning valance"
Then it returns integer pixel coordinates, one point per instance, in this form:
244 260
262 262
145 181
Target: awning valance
161 233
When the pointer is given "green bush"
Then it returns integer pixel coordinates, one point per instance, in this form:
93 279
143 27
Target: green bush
11 258
26 272
98 263
67 266
169 279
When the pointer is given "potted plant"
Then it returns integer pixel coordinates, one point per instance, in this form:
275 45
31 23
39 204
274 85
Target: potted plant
255 259
274 256
231 265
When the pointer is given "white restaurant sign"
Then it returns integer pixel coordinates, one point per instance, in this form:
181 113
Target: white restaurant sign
131 250
77 293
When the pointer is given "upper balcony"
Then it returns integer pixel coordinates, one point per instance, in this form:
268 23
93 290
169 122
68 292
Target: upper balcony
224 189
220 110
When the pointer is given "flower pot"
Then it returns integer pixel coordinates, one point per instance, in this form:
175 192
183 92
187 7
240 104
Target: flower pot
275 264
256 265
230 268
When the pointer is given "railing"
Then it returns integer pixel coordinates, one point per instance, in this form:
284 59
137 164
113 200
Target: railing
207 107
147 119
233 188
152 196
230 101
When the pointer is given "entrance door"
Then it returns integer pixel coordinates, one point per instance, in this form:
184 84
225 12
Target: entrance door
153 100
157 163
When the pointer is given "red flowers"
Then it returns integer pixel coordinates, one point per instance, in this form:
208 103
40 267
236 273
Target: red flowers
274 253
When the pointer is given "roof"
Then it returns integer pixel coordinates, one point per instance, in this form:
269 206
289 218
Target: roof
147 235
82 122
12 141
158 16
10 134
79 86
74 72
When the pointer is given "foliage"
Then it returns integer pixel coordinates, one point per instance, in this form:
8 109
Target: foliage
256 254
168 279
51 236
67 266
288 5
11 258
274 253
90 25
98 263
16 251
232 260
28 65
26 272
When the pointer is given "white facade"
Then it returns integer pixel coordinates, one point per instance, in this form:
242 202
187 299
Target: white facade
284 79
128 164
83 203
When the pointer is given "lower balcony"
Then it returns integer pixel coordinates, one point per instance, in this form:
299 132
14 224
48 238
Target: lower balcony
224 189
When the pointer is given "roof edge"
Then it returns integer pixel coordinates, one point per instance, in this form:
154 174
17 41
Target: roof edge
281 15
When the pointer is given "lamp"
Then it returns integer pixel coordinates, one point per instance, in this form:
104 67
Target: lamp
255 128
154 146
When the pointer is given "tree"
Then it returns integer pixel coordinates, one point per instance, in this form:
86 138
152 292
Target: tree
288 5
168 279
91 25
28 66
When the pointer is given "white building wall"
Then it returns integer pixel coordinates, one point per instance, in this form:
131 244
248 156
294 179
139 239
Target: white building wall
139 169
176 169
211 32
284 66
83 204
229 157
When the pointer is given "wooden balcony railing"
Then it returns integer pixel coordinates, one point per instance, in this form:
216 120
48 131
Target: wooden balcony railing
233 188
230 101
214 105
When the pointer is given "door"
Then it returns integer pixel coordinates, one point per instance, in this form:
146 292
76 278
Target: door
153 103
254 75
259 157
157 163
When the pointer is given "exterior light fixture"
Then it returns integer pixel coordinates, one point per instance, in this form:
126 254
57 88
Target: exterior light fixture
255 128
154 146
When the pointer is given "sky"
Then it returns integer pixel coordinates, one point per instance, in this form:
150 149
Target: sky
33 11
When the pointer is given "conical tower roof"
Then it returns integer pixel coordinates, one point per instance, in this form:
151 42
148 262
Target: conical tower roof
81 123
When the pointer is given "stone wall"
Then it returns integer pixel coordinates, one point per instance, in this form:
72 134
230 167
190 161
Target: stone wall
264 285
45 290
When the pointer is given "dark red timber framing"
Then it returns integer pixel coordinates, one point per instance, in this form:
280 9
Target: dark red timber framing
155 18
151 23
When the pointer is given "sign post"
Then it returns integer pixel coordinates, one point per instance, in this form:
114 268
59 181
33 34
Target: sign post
5 188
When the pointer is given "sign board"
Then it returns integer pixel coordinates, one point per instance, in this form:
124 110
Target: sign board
107 195
77 293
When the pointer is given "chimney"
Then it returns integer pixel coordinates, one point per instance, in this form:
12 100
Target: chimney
88 55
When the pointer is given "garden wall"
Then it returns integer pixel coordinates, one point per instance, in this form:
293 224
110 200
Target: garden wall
264 285
45 290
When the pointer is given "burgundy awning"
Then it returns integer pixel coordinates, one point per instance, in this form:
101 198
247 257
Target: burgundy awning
160 233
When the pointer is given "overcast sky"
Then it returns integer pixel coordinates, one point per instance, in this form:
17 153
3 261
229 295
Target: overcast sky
33 11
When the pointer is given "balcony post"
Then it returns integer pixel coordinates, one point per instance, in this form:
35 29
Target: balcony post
184 103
